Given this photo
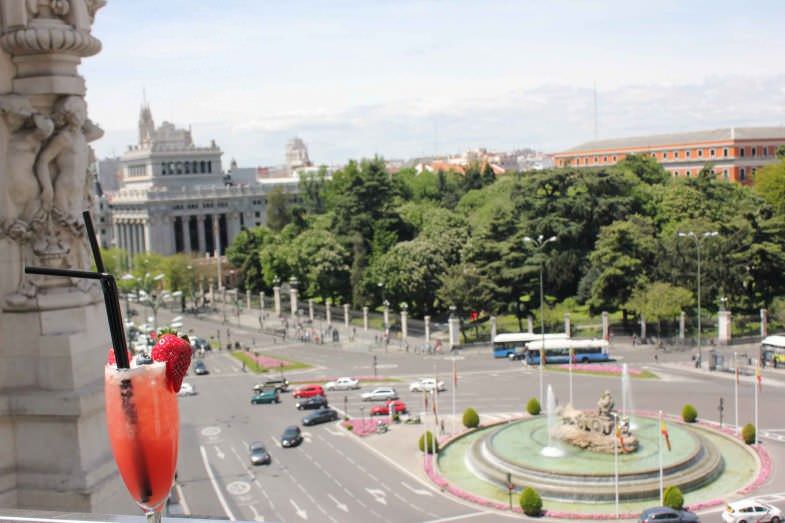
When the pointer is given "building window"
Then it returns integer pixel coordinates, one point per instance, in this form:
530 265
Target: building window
209 167
689 154
741 152
725 152
754 151
711 153
605 159
700 153
614 157
741 174
257 214
596 159
725 174
675 154
258 224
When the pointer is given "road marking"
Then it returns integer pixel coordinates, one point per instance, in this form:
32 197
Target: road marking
378 495
214 483
238 488
276 442
418 491
264 492
300 512
341 506
256 516
219 452
211 431
181 499
336 432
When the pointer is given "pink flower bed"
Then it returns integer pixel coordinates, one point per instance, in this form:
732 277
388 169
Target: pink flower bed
361 427
434 475
267 362
599 368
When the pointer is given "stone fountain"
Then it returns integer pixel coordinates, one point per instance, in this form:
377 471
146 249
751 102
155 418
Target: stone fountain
594 431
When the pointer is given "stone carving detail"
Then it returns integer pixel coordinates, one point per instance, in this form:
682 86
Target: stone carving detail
45 173
594 431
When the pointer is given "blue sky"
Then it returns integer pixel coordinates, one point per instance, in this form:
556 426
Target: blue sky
407 78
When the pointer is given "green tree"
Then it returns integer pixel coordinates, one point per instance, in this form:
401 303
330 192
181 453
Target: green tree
530 502
312 187
471 419
115 261
689 413
278 214
781 152
533 406
244 252
673 498
769 183
320 263
659 301
748 433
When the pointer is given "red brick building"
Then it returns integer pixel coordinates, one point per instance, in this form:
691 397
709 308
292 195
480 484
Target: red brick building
736 153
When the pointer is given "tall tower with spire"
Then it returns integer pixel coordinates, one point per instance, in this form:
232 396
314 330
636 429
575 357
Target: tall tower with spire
146 124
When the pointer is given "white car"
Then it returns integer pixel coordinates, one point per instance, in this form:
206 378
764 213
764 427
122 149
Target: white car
426 384
186 389
749 511
380 394
344 383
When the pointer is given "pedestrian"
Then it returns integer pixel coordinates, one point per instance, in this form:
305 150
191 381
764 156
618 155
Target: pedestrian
634 340
656 358
441 425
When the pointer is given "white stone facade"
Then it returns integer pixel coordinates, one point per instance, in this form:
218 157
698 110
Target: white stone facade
176 199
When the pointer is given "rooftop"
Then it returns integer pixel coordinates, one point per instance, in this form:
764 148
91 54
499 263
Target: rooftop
727 134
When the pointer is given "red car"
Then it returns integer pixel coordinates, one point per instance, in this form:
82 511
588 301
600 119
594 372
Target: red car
398 407
308 391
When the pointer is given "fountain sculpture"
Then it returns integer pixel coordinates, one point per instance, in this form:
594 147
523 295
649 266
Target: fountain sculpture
594 431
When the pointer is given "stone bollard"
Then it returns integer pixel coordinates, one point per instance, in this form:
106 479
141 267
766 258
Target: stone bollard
567 325
277 300
530 321
293 301
606 328
493 328
764 323
682 325
261 301
643 328
346 316
427 320
404 325
724 326
365 319
328 313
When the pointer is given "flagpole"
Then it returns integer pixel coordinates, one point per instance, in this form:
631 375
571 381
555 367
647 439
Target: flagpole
572 357
454 386
736 391
616 462
659 451
756 386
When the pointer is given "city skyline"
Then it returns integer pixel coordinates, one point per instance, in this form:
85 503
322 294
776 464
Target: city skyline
407 79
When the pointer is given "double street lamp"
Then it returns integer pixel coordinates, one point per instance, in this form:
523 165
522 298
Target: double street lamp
699 237
539 244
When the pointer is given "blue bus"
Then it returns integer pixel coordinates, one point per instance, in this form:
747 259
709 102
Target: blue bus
509 344
559 351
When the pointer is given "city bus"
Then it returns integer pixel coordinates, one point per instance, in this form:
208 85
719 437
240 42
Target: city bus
772 351
558 351
508 344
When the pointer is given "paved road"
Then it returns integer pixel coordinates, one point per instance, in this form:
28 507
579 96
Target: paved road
333 478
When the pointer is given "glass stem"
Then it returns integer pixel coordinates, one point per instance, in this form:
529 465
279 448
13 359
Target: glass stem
154 516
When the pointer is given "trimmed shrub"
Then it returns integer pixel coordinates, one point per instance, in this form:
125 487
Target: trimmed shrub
531 502
427 442
349 427
673 498
748 433
689 413
470 418
533 407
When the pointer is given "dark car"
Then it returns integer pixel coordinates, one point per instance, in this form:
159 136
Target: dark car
314 402
667 514
259 454
291 436
199 343
200 368
266 396
320 416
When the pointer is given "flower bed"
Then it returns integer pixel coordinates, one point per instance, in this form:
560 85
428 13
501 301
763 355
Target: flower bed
602 368
361 427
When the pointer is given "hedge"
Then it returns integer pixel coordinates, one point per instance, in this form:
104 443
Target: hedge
470 418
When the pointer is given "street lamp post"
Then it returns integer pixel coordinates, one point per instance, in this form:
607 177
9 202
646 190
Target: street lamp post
539 246
698 238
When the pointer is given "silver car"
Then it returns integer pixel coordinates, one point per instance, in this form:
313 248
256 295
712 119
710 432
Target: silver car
380 394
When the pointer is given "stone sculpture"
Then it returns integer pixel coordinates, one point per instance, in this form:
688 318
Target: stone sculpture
44 173
595 431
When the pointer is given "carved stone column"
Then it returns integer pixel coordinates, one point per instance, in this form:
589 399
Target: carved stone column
200 230
54 330
185 223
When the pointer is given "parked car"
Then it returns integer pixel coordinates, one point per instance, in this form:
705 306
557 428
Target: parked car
749 511
186 389
199 344
667 514
397 406
426 384
314 402
200 369
306 391
266 396
320 416
344 383
280 384
291 436
259 454
380 394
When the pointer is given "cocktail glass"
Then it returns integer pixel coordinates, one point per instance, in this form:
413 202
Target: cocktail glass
143 424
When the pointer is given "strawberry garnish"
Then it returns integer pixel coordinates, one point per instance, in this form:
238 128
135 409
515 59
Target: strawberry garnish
111 360
176 353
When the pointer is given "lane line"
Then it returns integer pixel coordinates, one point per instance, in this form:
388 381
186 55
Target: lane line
217 490
181 499
264 492
457 518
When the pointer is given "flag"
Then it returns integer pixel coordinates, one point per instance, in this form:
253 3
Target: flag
664 432
758 377
573 359
455 377
620 438
425 400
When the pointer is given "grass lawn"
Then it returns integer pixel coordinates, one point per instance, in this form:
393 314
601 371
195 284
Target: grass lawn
644 374
253 366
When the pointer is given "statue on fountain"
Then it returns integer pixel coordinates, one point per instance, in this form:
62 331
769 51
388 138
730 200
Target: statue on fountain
595 431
